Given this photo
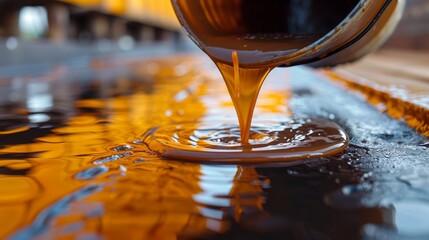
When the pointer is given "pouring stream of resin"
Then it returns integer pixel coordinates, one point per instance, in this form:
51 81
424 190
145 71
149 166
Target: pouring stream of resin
252 56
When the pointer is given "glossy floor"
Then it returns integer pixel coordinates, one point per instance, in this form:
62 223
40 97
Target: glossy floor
73 163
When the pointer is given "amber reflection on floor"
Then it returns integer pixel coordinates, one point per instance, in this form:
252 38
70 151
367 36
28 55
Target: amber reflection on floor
140 195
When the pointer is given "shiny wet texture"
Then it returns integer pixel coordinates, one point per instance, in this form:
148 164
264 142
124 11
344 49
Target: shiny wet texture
265 142
73 163
246 41
270 142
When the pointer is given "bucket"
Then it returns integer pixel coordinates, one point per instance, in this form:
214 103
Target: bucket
288 32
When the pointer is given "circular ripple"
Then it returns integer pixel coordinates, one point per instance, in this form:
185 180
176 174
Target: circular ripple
270 142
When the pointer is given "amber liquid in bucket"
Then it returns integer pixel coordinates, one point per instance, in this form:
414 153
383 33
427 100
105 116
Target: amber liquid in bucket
245 47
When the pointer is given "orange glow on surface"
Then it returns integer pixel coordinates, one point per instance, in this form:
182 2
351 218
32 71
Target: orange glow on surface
137 195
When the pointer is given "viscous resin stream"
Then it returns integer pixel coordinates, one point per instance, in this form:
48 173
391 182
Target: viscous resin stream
230 33
263 142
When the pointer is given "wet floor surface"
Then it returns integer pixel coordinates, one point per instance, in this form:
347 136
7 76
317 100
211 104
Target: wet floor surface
73 163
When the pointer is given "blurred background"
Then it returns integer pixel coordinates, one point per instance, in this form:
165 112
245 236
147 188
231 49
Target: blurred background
32 31
413 30
127 24
88 20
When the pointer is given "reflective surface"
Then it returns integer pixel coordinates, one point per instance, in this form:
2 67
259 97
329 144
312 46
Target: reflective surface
270 142
265 142
246 39
73 163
